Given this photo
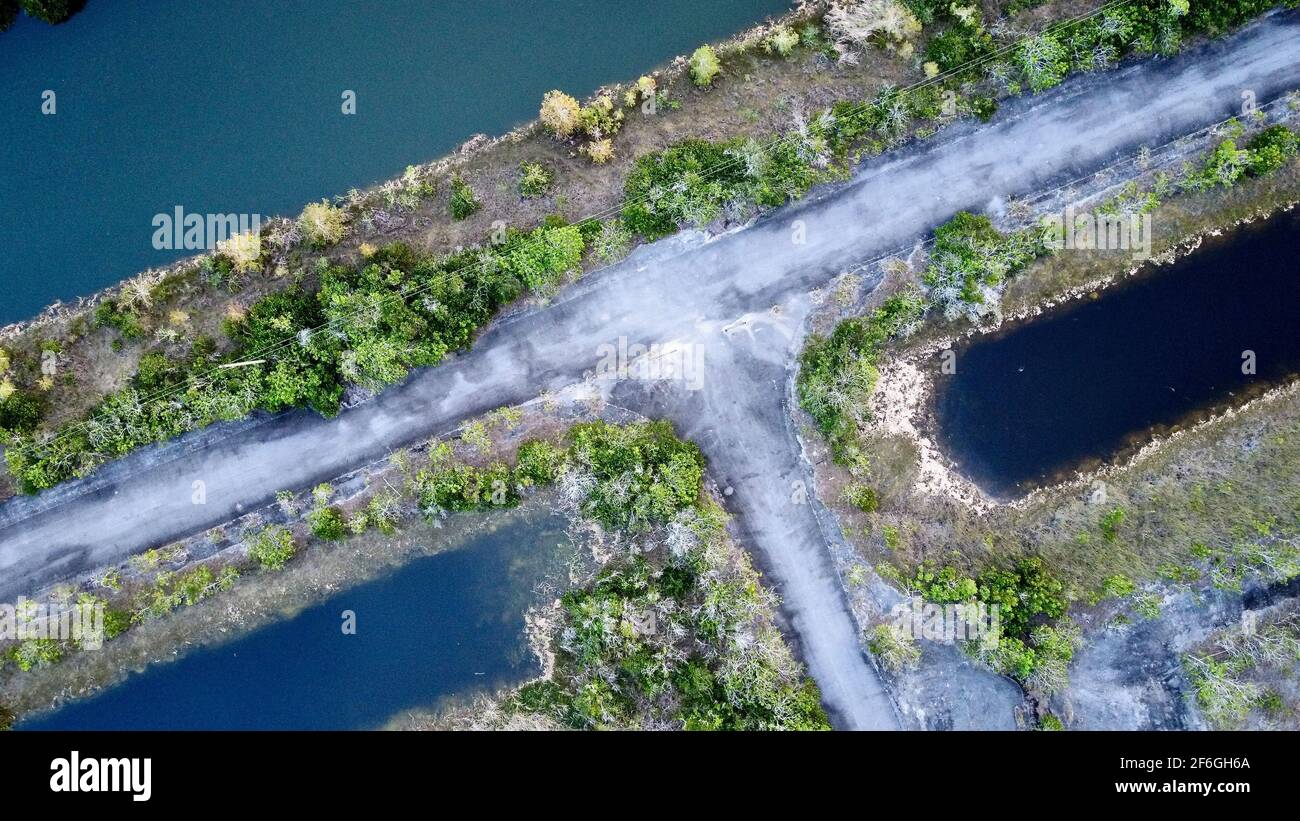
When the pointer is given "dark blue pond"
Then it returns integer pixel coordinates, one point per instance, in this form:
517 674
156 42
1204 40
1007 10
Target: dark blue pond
1090 381
234 107
442 625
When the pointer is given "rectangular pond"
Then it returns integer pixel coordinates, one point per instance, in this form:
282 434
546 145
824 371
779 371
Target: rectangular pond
443 625
1091 381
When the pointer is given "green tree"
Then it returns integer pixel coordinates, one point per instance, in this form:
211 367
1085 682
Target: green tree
704 66
542 256
328 523
463 201
1271 149
1043 60
273 547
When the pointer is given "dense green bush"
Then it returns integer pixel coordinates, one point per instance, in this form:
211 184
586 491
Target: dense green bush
644 473
1271 149
20 412
538 462
685 183
459 487
838 373
971 257
328 523
463 201
1218 16
1030 645
1043 60
957 46
109 314
543 256
1224 166
690 182
704 66
31 653
273 547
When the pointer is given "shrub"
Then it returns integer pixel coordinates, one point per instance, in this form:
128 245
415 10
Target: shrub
243 250
599 151
463 487
1223 167
463 202
644 473
560 113
782 41
838 373
1217 16
645 87
704 66
20 411
1271 149
863 497
896 649
945 586
328 523
544 255
1043 60
685 183
957 47
984 107
34 653
534 179
383 512
538 462
601 119
970 257
613 241
865 20
1114 587
116 622
321 224
1023 593
109 314
1110 524
273 547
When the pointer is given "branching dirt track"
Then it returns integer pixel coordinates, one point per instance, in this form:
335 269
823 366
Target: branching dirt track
718 295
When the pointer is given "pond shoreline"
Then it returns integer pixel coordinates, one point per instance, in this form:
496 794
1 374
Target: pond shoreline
904 400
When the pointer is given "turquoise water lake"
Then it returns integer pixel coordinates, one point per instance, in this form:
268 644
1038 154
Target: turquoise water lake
236 108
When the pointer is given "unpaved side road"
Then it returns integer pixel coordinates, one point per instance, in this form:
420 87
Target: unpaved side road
688 290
